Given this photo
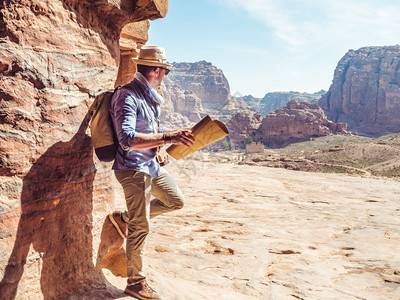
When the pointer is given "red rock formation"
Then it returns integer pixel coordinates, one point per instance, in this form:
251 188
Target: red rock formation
298 121
242 127
179 101
365 91
205 91
54 57
205 80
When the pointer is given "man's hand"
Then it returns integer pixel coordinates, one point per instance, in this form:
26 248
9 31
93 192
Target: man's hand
181 137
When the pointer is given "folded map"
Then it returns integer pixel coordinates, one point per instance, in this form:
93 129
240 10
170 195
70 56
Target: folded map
205 132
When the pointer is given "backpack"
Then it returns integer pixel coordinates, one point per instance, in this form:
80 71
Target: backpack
101 128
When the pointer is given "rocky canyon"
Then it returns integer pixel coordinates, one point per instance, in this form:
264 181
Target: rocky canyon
297 121
194 90
246 232
364 95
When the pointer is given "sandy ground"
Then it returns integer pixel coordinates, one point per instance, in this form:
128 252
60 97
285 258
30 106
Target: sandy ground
249 232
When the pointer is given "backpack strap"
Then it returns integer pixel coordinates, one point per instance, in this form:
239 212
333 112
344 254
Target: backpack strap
97 100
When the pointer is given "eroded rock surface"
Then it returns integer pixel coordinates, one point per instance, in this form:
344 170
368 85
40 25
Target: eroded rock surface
205 80
181 107
54 57
276 100
298 121
365 91
205 90
243 127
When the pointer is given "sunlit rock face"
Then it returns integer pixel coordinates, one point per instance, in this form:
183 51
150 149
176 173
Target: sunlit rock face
243 127
205 80
298 121
181 108
197 89
365 91
54 194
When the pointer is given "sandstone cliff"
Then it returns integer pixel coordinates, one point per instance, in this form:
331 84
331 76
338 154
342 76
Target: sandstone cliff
243 127
298 121
365 91
182 108
205 80
251 100
205 90
54 194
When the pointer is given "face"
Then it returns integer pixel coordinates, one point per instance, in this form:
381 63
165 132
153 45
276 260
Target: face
160 72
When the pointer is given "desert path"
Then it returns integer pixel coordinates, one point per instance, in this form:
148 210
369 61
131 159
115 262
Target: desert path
250 232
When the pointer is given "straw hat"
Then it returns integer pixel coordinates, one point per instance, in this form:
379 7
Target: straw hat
152 56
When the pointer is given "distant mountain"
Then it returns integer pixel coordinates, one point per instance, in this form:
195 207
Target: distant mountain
253 101
205 80
193 90
275 100
365 91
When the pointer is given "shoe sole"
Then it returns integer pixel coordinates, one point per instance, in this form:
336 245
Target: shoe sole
138 296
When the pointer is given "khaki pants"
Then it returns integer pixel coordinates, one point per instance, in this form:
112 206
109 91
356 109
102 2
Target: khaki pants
138 188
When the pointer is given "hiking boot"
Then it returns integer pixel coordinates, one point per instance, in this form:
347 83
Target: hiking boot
120 225
142 291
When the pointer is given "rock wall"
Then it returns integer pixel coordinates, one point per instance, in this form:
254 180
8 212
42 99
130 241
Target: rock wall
365 91
54 194
182 108
198 89
205 80
243 127
253 101
298 121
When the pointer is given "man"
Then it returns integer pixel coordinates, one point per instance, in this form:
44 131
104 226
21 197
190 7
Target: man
135 110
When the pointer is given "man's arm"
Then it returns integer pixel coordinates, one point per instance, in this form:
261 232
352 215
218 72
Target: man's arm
168 130
176 137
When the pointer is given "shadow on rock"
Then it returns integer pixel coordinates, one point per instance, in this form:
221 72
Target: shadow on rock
111 254
56 220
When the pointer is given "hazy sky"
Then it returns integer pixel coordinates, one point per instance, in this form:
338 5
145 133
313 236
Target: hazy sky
274 45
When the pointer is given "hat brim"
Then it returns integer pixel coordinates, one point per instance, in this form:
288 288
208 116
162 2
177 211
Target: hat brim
151 63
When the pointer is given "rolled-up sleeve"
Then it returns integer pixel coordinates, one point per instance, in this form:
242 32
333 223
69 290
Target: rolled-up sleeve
123 109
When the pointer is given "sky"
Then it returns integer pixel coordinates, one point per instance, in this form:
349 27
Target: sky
267 46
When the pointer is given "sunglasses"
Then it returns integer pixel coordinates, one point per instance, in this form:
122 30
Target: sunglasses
166 70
